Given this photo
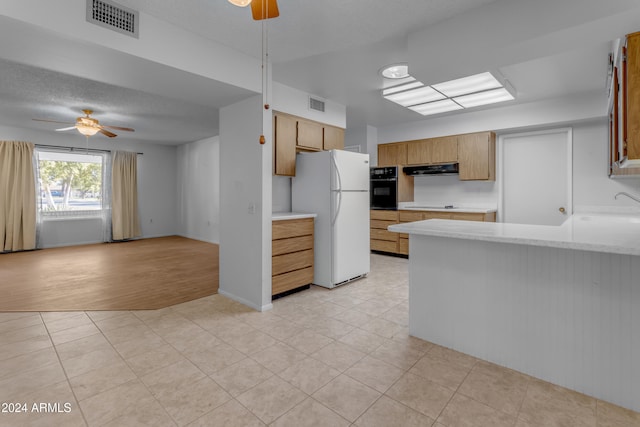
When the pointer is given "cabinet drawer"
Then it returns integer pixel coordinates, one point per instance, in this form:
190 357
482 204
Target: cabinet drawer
437 215
384 246
289 262
291 228
468 216
294 244
385 215
384 235
411 216
404 246
380 224
294 279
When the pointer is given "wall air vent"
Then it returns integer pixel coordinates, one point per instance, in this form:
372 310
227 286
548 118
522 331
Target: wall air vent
316 104
113 16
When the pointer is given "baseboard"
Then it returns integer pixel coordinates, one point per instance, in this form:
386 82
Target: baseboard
198 239
246 302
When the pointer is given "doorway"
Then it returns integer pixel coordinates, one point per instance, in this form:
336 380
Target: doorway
536 177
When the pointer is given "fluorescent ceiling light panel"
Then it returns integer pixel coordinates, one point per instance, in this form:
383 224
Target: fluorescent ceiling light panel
402 87
484 98
436 107
466 85
415 96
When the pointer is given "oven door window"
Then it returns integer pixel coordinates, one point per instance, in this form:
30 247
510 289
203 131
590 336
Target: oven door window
383 195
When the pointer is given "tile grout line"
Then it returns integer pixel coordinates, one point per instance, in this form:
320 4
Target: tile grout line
55 349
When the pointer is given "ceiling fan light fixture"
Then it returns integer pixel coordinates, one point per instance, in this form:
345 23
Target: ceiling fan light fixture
87 130
240 3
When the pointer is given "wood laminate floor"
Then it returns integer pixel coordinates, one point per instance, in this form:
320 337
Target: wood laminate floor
135 275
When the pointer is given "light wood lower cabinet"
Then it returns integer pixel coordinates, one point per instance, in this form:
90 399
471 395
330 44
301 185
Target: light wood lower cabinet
292 254
381 239
410 216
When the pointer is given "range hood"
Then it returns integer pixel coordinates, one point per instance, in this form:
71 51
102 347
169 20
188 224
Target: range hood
443 169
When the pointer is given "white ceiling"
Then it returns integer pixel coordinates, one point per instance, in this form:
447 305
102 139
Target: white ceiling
330 48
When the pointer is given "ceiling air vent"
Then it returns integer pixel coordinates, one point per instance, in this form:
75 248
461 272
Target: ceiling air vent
113 16
316 104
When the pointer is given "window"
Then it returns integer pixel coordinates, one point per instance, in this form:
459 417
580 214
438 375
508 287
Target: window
71 184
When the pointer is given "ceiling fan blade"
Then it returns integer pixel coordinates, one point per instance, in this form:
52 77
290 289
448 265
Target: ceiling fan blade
107 133
52 121
69 128
264 9
118 128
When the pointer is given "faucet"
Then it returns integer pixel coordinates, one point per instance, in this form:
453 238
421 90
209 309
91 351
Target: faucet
628 195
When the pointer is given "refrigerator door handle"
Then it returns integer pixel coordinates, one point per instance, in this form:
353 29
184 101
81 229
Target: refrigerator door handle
337 212
337 169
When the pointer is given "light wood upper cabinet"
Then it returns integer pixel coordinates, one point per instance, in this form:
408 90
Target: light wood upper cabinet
432 151
477 156
333 138
310 135
632 97
444 150
284 159
419 152
292 134
392 154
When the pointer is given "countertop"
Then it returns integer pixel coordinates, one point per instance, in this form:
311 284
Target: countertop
281 216
440 207
597 232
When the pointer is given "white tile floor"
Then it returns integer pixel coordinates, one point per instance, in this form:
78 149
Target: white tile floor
320 358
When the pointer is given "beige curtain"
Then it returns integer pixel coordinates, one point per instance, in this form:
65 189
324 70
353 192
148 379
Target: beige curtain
17 196
124 196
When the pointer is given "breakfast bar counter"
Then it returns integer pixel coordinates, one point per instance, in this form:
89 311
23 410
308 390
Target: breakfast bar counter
560 303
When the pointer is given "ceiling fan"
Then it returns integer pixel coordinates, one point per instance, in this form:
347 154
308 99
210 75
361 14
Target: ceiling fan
88 126
260 9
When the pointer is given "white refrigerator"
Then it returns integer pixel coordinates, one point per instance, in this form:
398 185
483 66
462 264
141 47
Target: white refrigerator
335 185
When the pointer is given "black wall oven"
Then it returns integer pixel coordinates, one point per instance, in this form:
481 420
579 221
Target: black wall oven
383 188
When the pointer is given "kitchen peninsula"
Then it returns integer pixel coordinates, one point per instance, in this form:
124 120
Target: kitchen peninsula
560 303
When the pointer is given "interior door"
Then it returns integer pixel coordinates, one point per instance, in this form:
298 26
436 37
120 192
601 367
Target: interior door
536 178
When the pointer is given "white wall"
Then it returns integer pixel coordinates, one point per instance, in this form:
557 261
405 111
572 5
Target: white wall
366 138
156 186
198 190
591 185
450 190
245 204
293 101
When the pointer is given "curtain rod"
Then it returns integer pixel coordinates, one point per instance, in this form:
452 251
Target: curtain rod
75 148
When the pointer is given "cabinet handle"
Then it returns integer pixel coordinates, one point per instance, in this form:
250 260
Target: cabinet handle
562 210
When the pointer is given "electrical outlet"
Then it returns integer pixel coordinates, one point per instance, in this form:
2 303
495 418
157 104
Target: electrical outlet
252 209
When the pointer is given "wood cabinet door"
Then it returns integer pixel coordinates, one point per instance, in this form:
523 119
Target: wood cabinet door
444 150
632 95
333 138
310 135
419 152
477 156
284 145
393 154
